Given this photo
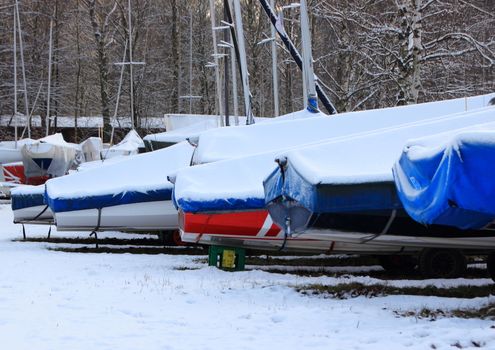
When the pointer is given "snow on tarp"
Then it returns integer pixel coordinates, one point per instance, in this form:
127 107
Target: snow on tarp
197 126
233 184
448 179
10 153
129 145
183 133
50 156
91 149
362 162
225 143
98 163
370 156
201 124
237 184
12 144
140 178
26 196
179 121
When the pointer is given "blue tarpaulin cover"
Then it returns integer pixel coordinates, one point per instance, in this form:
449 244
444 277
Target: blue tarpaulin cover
450 183
107 200
329 197
27 200
125 180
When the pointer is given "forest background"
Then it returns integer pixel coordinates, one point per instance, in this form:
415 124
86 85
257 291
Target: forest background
367 54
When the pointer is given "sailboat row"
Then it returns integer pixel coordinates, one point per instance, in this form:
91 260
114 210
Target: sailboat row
397 180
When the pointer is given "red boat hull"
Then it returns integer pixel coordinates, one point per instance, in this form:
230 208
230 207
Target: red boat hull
13 172
248 224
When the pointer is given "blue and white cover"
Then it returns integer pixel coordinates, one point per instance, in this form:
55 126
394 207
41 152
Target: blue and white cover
355 174
324 143
448 179
135 179
27 196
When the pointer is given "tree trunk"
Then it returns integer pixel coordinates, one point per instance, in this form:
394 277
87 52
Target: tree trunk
100 34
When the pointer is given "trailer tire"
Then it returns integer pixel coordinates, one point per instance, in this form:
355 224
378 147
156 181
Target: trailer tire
442 263
398 263
490 265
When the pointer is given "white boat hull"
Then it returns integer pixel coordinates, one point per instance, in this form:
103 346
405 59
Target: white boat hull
10 155
32 215
145 216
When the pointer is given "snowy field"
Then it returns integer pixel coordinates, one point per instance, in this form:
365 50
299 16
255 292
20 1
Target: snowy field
59 300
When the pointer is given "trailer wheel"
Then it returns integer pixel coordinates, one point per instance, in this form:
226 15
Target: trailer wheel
445 263
490 265
398 263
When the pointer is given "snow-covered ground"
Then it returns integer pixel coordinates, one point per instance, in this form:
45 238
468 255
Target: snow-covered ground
58 300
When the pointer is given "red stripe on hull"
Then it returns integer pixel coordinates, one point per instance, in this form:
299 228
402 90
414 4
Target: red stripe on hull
232 224
14 173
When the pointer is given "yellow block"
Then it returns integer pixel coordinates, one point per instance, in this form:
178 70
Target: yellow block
228 259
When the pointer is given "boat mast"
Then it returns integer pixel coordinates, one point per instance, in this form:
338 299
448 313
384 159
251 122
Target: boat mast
234 74
15 77
294 53
243 62
26 104
229 25
190 59
49 79
276 108
190 97
219 106
310 101
119 89
130 65
227 48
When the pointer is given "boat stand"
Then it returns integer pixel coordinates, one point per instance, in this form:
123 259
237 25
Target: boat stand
226 258
93 233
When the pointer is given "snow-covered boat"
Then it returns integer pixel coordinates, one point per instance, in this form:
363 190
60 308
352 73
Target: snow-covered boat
48 157
10 151
448 179
130 195
29 206
227 188
198 124
91 149
346 187
129 145
179 134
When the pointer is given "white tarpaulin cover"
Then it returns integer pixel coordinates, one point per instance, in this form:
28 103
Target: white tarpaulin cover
228 143
129 145
50 156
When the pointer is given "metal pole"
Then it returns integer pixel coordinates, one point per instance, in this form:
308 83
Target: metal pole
119 88
130 65
276 108
233 68
190 60
308 72
15 77
242 54
294 53
26 104
218 101
226 68
49 80
234 85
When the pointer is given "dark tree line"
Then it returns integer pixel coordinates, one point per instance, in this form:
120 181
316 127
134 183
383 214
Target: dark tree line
367 53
